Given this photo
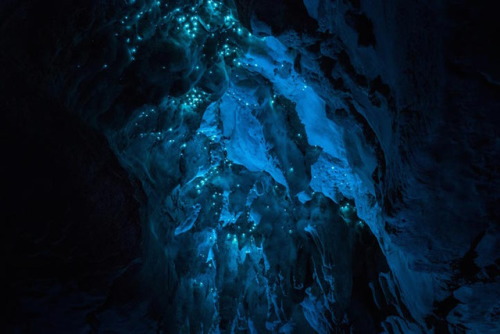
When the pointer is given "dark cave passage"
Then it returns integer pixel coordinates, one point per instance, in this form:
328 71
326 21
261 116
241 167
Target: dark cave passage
220 166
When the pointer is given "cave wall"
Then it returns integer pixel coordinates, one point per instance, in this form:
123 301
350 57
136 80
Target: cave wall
422 76
399 97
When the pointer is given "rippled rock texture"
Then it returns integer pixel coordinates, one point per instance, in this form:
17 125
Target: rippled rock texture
214 166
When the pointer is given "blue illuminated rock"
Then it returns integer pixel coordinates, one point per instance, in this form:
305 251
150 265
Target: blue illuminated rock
302 166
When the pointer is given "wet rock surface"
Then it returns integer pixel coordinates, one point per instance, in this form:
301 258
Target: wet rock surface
292 167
